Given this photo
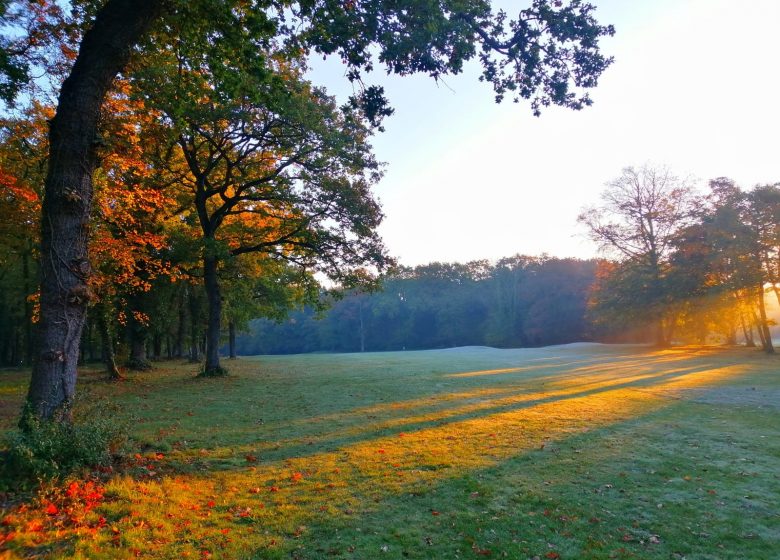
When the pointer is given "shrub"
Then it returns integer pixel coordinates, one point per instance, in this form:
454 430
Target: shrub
47 449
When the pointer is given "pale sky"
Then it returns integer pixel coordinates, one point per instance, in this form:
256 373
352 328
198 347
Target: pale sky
695 86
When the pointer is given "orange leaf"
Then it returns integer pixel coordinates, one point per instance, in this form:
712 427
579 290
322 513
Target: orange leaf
51 509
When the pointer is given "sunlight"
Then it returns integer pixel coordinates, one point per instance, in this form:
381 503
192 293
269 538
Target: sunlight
267 505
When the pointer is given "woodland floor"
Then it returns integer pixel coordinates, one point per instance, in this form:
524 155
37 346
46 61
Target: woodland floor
571 452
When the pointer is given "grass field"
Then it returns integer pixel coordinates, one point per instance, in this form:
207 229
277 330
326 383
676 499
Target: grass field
577 451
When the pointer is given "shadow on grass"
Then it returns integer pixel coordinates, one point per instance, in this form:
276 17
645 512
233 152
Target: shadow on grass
330 432
358 467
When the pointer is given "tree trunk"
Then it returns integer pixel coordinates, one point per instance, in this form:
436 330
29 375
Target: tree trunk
214 298
747 331
67 203
157 343
138 359
759 330
138 333
107 343
766 336
232 339
178 350
194 318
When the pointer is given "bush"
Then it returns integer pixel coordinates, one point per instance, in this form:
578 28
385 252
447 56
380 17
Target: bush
47 449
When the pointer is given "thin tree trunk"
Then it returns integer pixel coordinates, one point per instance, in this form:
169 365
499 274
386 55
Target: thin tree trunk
180 330
766 336
194 317
747 331
67 204
138 333
107 343
157 346
759 330
213 327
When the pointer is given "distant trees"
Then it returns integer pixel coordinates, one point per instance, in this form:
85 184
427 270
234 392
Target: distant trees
688 266
519 301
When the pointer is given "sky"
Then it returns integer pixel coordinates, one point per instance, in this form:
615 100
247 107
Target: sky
695 87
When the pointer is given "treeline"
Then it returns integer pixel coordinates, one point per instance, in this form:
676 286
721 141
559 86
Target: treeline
518 301
688 266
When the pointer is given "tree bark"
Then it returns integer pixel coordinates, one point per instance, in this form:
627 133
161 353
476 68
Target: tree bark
213 326
67 203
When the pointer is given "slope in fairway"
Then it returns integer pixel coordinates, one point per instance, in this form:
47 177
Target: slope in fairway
577 451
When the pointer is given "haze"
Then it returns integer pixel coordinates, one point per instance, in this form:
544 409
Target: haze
693 87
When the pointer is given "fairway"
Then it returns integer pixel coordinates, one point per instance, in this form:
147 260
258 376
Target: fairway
575 451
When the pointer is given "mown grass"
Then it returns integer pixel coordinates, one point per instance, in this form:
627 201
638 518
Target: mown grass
580 451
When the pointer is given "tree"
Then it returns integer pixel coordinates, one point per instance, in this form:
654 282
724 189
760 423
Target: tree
67 204
22 167
547 55
268 166
641 213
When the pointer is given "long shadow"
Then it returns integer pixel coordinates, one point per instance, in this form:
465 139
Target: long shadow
291 484
433 401
441 402
306 445
549 513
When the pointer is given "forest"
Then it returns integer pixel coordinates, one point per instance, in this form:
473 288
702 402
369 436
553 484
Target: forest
517 302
